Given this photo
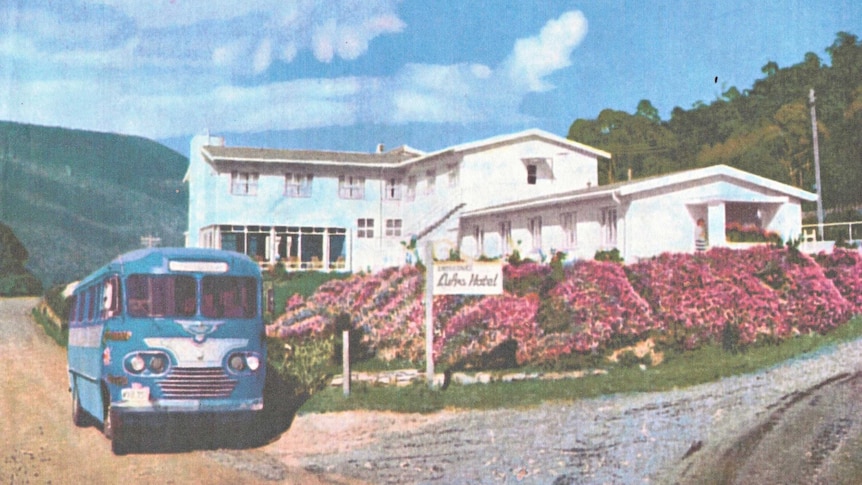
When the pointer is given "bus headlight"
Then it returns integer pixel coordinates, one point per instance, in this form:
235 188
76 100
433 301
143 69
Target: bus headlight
236 363
239 362
137 364
157 364
253 362
147 363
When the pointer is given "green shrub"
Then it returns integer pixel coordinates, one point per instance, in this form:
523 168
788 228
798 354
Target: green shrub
304 365
612 255
59 304
554 315
24 284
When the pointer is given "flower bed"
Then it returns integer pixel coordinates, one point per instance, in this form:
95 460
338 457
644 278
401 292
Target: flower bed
721 295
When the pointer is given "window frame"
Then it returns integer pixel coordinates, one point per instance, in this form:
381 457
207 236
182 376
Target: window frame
609 218
351 187
392 189
298 185
365 228
569 224
535 226
244 183
394 227
532 173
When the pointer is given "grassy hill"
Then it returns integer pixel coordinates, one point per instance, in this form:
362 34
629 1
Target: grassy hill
76 198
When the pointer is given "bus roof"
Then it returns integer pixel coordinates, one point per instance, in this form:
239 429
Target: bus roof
172 260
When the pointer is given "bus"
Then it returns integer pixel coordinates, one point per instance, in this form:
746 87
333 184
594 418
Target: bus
167 333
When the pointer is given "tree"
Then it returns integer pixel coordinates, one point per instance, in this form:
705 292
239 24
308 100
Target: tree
648 111
15 280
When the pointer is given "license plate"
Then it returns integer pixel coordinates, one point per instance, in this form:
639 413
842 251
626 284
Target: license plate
136 394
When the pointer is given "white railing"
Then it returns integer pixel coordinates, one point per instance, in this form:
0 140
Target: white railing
819 232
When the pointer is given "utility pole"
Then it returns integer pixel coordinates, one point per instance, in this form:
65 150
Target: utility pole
816 164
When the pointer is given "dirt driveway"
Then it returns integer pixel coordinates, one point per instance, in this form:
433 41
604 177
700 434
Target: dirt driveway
39 443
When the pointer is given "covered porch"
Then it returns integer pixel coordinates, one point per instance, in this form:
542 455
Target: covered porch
299 248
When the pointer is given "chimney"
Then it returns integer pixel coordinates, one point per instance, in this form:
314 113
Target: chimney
380 148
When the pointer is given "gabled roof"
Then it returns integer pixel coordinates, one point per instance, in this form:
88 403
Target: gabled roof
531 134
629 188
397 157
218 155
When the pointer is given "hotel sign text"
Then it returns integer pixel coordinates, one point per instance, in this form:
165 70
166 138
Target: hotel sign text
468 278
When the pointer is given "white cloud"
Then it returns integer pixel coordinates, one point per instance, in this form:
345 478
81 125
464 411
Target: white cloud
156 81
534 58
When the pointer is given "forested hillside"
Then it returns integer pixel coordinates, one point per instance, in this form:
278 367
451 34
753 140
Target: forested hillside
76 198
764 129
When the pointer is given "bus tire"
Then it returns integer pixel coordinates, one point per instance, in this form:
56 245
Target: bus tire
79 416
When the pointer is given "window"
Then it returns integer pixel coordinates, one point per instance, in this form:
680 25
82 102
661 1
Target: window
351 187
393 189
365 228
609 227
411 188
569 221
297 185
73 309
506 237
243 183
536 232
454 174
111 298
161 295
431 180
393 227
228 297
532 173
91 303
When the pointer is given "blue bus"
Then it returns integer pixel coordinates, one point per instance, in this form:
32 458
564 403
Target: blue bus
167 332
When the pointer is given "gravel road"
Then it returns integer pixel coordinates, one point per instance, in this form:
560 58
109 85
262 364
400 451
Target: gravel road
668 437
795 423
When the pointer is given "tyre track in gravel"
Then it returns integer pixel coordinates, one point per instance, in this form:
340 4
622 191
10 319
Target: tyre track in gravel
668 437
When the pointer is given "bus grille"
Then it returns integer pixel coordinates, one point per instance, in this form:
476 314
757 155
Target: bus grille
195 383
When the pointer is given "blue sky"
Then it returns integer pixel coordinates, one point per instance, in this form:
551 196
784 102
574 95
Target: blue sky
349 74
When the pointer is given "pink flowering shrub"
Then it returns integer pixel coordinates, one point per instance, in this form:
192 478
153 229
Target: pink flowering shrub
486 323
735 297
760 292
602 306
844 268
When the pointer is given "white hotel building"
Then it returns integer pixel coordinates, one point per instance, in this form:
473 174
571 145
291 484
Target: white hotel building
531 191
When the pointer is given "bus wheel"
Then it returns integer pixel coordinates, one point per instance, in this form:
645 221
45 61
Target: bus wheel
79 416
114 431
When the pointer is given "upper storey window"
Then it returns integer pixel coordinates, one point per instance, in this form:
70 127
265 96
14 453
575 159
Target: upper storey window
351 187
297 185
532 173
392 189
454 174
538 168
243 183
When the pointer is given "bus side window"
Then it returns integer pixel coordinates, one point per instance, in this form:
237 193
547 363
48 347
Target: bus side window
73 310
91 303
111 298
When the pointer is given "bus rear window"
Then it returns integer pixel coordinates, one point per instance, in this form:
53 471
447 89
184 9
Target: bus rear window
228 297
161 296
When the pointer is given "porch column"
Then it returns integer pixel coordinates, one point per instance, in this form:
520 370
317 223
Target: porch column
273 246
715 217
325 256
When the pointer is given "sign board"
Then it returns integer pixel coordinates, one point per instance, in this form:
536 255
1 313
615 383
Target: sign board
468 278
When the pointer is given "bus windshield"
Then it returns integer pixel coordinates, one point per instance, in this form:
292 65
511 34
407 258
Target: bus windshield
228 297
161 295
176 296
